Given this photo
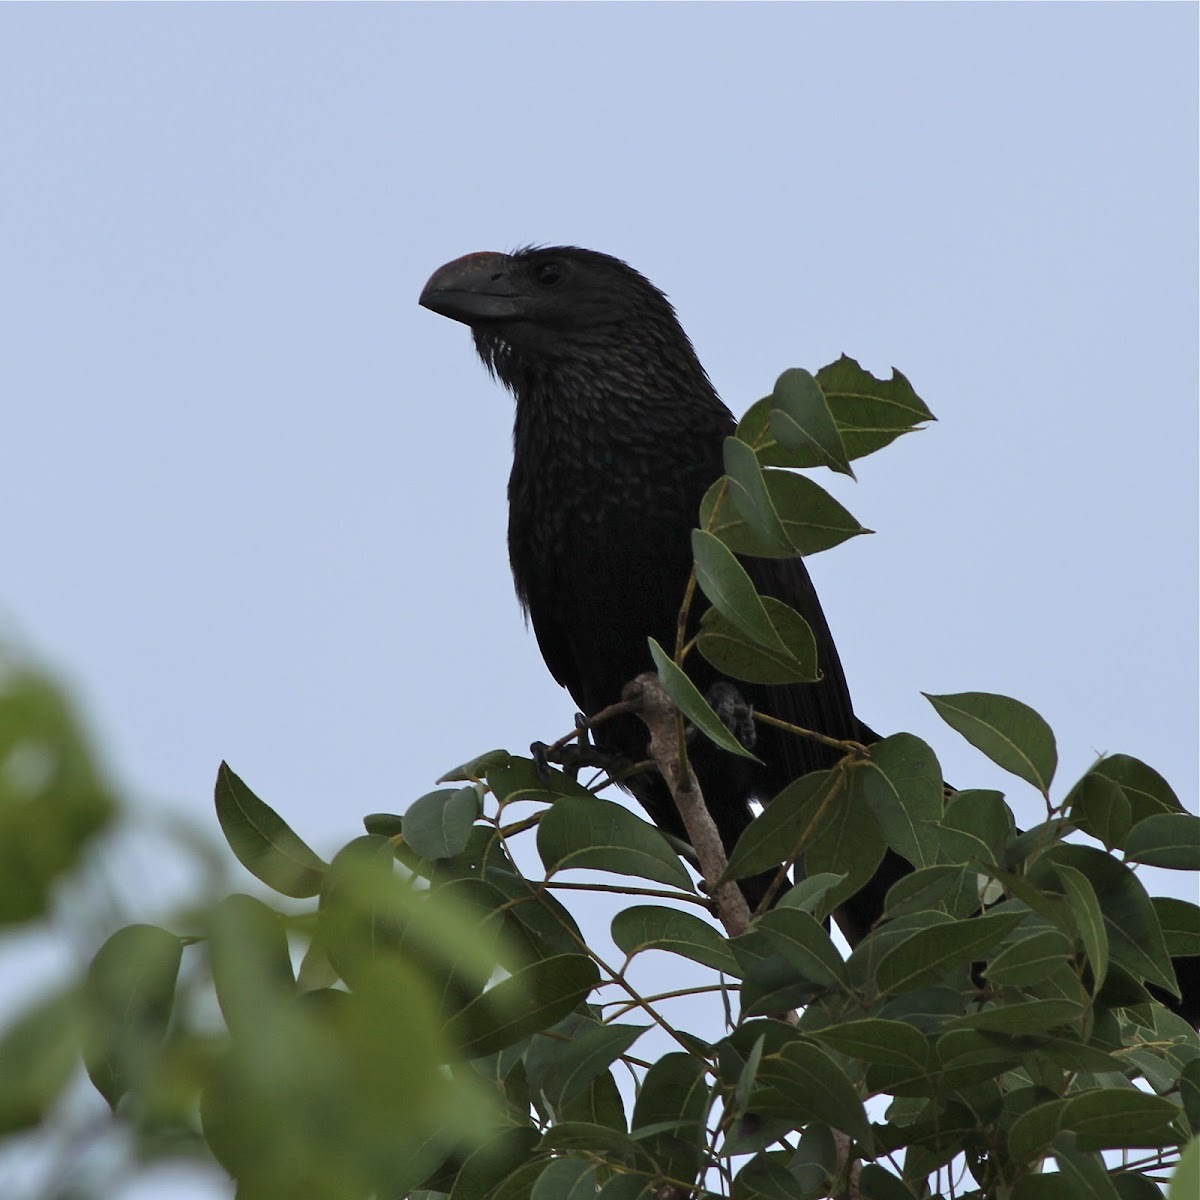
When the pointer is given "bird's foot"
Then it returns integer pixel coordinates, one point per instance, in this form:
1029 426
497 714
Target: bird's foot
727 701
575 756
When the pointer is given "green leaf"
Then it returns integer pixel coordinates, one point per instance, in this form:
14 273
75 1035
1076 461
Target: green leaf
777 833
1100 808
128 995
877 1184
812 519
1086 1177
493 1162
1169 840
723 579
1030 960
521 779
1102 1119
978 816
39 1053
870 412
810 892
263 842
725 582
548 924
902 784
476 769
53 798
602 836
734 654
1053 908
891 1043
367 913
566 1179
1185 1183
316 971
1134 938
692 704
526 1002
599 1103
600 1139
1145 789
627 1187
1046 1187
934 888
561 1067
1089 920
1033 1132
1074 1055
669 1114
803 1083
1119 1119
439 823
1032 1016
786 958
751 499
1010 733
652 927
251 964
766 1177
801 940
847 842
925 957
1131 1185
1180 924
517 1186
744 1087
801 420
387 825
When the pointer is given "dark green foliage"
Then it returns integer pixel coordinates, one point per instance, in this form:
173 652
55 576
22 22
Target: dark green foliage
449 1035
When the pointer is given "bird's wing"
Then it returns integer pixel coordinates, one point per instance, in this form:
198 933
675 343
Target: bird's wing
824 706
555 642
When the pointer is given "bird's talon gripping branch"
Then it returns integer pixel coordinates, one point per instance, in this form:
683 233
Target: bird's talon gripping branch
727 701
573 758
539 752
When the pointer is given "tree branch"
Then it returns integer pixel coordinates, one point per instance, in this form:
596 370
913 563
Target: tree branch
661 718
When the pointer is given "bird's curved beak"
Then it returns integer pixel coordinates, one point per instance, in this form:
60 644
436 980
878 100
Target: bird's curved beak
476 287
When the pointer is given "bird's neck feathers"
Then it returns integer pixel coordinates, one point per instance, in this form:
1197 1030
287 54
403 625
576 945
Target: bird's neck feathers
645 394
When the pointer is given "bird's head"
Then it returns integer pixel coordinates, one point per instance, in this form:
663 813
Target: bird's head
538 305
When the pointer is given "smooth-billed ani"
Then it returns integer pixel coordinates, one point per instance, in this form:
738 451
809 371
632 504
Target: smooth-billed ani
618 435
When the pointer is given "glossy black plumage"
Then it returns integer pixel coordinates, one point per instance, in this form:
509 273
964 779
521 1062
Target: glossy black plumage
618 434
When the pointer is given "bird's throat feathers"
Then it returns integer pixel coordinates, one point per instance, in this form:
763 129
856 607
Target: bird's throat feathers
641 395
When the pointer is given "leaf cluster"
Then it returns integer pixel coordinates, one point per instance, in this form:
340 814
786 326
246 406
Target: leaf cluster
419 1016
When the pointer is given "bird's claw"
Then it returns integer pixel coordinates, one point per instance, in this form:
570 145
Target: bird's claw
572 758
727 701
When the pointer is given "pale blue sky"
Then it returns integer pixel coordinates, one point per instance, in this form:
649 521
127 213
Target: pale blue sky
255 495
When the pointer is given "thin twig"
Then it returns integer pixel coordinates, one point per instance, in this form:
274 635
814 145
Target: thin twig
854 749
625 890
605 714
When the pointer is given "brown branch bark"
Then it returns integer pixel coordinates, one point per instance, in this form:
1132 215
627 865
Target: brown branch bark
660 716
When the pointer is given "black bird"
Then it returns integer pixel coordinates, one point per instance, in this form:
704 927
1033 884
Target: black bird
618 434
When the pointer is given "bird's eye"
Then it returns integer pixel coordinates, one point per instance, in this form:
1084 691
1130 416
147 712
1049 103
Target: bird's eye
548 273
